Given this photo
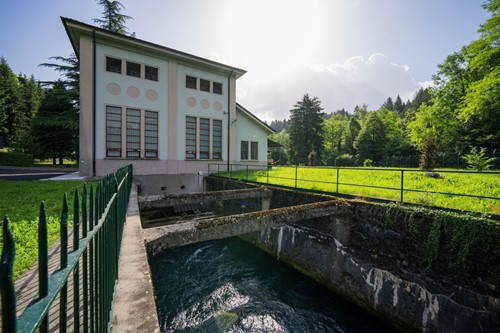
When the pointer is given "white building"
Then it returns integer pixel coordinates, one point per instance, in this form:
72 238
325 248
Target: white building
165 111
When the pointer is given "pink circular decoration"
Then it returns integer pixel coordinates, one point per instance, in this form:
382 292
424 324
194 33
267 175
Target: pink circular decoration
205 104
191 101
113 88
218 106
133 92
152 95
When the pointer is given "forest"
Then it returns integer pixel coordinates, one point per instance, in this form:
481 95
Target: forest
456 120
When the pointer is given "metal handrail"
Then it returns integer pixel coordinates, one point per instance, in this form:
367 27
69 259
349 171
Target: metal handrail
401 189
98 248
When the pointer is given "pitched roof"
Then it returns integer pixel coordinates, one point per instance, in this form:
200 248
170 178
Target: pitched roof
76 28
254 117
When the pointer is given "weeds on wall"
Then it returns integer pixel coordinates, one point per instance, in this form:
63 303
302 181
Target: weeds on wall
450 234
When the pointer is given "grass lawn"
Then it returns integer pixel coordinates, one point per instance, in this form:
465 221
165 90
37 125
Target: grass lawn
20 201
352 181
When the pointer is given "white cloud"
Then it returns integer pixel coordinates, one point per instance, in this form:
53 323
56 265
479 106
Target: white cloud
338 85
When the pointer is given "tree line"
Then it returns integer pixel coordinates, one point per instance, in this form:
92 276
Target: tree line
459 115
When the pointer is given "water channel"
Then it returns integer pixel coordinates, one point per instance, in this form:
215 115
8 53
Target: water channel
231 286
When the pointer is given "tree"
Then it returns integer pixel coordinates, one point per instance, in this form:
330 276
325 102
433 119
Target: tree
111 18
360 113
389 104
69 67
351 135
30 96
306 129
371 139
280 155
56 124
9 98
335 130
478 160
428 153
399 106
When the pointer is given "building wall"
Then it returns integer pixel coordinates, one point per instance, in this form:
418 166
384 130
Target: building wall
199 103
248 130
121 90
168 96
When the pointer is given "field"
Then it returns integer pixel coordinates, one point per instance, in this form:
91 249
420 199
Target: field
385 183
20 201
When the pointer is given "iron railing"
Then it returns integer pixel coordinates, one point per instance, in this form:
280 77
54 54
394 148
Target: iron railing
92 261
340 186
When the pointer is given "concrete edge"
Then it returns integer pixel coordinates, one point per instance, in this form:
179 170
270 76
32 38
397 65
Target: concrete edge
134 308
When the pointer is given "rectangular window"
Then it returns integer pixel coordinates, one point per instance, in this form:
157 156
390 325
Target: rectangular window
204 138
254 150
151 134
190 138
191 82
114 65
133 69
244 150
217 139
133 133
217 88
151 73
113 131
204 85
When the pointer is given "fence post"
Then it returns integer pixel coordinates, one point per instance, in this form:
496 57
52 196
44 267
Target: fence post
64 263
402 184
85 289
76 271
338 173
6 279
246 174
267 175
296 170
43 262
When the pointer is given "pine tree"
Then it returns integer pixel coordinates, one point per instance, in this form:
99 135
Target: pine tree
9 98
112 19
306 130
399 106
389 104
56 124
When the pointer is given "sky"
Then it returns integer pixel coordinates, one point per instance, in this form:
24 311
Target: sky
345 52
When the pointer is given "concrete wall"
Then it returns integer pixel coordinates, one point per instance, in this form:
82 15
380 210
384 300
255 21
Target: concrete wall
379 260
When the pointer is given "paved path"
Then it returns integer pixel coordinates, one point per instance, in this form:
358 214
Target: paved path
24 173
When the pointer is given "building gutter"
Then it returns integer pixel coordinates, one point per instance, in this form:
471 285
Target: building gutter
94 100
229 119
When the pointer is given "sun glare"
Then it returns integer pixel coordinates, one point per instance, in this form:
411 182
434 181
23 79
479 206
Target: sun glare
264 33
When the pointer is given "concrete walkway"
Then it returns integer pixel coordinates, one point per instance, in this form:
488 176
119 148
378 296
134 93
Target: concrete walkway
135 308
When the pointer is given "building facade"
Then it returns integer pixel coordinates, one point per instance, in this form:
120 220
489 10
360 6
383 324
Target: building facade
165 111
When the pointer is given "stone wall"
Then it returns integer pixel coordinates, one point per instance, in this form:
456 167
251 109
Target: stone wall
419 269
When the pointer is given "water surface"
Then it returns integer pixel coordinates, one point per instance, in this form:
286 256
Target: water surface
230 286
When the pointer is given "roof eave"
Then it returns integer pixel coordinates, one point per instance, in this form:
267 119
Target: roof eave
74 28
269 129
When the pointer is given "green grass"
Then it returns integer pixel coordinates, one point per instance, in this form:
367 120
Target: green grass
20 201
353 181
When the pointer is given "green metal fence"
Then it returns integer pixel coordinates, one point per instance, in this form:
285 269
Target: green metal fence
93 260
339 180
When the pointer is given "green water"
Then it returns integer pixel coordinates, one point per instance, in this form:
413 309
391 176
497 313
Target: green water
230 286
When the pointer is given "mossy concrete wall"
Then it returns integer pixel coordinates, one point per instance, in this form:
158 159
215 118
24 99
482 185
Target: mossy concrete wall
418 269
